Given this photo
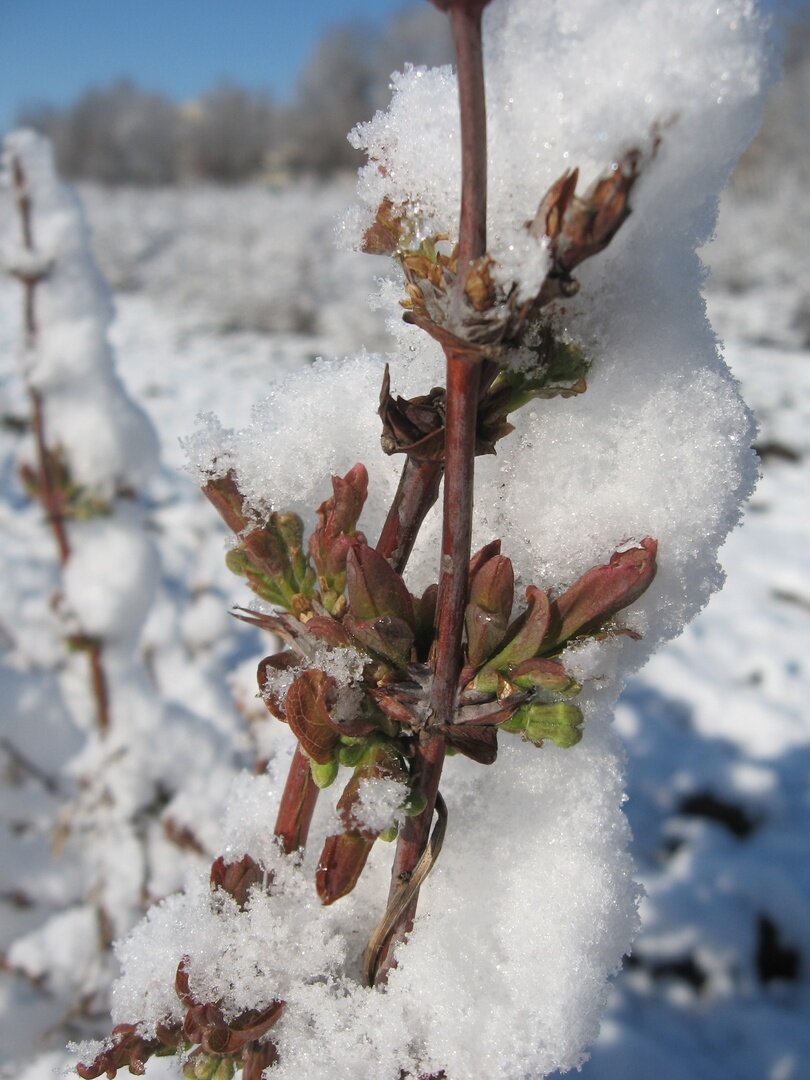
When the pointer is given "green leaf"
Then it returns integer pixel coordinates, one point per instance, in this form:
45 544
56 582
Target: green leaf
387 636
237 561
560 722
414 804
523 639
353 752
547 675
290 529
560 371
487 614
323 775
375 589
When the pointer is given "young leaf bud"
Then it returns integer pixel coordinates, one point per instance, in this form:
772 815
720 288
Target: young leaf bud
325 774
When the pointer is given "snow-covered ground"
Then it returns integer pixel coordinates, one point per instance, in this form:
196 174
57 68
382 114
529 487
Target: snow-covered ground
716 726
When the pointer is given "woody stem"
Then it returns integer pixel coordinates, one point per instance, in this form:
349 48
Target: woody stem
417 492
50 495
463 377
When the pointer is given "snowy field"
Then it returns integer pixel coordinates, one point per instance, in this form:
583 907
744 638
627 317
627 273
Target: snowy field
220 293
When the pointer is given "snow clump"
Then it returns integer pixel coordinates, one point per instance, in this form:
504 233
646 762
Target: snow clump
118 788
532 903
106 439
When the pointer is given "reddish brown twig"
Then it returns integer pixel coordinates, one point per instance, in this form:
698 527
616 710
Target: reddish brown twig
98 680
417 492
465 20
463 378
50 495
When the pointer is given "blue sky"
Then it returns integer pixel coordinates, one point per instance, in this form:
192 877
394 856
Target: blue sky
52 50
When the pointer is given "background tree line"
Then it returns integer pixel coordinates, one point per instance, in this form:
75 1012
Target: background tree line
123 134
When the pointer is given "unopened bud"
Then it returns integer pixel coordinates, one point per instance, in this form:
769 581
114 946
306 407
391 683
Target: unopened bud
414 804
324 775
201 1067
561 723
237 561
225 1069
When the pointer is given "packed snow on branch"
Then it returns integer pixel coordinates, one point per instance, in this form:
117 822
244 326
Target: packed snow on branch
532 904
72 364
101 448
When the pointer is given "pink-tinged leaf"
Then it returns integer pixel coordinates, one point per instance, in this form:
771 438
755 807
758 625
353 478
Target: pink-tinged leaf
224 494
601 592
307 714
182 984
267 552
256 1058
387 637
523 639
579 227
476 741
487 615
238 878
344 855
485 632
280 662
483 555
328 630
382 237
341 863
375 588
550 213
395 709
249 1026
275 624
333 567
337 522
382 763
356 727
127 1048
493 587
538 674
